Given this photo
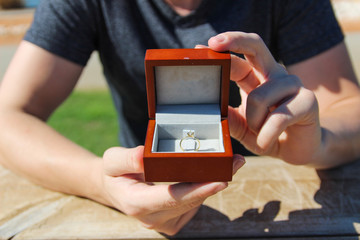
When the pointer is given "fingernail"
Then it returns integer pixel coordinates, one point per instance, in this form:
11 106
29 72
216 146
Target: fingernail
197 46
219 38
215 186
239 161
258 150
221 186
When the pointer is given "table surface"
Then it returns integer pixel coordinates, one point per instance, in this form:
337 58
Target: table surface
267 199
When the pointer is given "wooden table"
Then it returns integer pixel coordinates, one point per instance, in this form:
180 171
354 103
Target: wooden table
267 199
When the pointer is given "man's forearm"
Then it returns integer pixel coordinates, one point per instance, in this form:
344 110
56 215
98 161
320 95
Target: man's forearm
32 149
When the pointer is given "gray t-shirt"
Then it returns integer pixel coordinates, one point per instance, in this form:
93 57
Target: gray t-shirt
122 30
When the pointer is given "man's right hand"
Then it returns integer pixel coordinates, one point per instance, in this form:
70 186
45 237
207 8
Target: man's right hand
164 208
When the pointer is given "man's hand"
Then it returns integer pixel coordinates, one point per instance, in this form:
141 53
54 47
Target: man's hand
165 208
277 116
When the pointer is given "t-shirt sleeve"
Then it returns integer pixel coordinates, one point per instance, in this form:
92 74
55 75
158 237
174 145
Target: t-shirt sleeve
305 29
65 28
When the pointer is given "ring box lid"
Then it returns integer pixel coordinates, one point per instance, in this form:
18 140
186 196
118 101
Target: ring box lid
187 80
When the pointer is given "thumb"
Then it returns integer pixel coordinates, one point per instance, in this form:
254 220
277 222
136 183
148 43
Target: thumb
119 161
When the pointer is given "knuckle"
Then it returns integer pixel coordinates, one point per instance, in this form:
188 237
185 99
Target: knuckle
108 161
108 153
172 231
150 224
256 37
195 204
266 150
170 203
280 120
295 80
279 70
309 97
133 211
256 98
158 227
309 94
256 41
133 160
147 226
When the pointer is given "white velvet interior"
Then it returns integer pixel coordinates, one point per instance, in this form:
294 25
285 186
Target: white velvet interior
167 137
187 84
188 98
197 113
172 120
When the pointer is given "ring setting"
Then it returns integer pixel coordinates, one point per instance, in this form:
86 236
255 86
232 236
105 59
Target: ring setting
190 142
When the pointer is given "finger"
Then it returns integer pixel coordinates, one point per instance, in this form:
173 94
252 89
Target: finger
200 46
182 196
174 206
119 161
302 110
242 74
253 48
169 221
237 123
240 131
239 161
172 226
186 194
164 202
240 70
262 100
157 218
184 219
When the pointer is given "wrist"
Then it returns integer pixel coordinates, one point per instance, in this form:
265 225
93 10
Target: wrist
332 152
96 190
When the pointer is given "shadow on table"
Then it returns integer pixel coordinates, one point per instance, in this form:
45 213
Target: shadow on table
339 197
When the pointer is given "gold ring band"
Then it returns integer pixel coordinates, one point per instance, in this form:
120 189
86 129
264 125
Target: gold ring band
190 135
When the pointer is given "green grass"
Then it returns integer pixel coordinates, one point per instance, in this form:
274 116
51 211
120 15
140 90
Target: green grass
89 119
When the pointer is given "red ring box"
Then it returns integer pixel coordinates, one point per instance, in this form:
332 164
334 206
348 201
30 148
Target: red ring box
187 91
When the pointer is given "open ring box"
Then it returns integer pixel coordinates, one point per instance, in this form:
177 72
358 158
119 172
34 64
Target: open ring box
188 137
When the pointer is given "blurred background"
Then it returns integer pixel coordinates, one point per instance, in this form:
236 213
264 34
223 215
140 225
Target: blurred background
90 108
